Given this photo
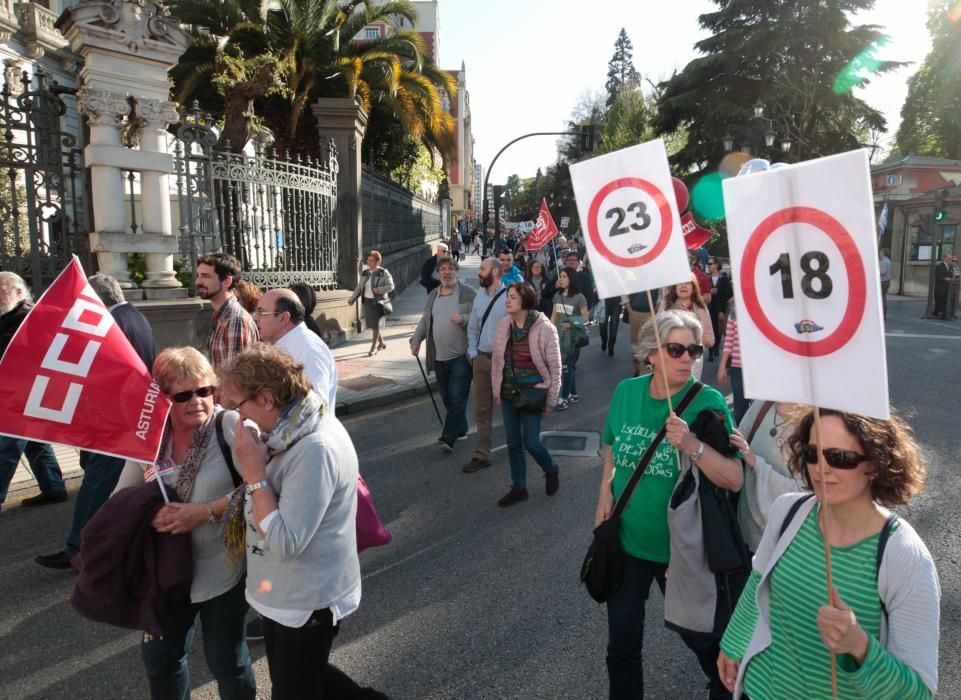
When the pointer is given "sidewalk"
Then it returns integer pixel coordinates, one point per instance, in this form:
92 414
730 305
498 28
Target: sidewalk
363 382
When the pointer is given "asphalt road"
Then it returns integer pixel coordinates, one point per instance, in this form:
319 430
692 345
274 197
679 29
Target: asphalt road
471 600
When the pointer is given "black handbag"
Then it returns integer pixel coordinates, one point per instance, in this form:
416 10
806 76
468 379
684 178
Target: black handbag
723 541
601 569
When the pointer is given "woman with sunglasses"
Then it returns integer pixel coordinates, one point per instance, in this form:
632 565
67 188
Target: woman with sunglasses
686 296
193 467
882 621
638 411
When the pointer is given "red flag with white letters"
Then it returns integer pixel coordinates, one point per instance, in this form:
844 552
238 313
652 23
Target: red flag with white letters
70 376
544 229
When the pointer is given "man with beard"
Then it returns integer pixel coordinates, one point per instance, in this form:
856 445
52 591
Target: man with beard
444 325
232 329
490 306
15 303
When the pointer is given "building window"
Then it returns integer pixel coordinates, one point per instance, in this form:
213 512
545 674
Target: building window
372 33
921 243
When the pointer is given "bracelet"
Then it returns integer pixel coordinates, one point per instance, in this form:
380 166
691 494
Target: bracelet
211 518
250 488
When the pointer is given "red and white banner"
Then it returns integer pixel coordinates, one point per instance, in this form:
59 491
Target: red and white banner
70 376
544 229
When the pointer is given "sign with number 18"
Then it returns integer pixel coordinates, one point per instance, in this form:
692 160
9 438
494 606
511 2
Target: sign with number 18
805 276
633 231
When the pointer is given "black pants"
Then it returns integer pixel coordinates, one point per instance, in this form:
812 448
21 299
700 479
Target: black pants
610 322
297 658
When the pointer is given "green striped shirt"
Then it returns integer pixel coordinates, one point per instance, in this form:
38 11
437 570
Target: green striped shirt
797 664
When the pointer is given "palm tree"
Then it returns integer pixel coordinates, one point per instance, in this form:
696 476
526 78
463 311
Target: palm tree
312 45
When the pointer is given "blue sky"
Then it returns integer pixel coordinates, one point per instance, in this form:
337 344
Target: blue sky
529 60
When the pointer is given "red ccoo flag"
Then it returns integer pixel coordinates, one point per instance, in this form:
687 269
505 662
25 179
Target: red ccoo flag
544 229
71 376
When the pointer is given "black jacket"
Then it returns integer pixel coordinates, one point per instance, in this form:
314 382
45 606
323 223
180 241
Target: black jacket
427 274
10 322
137 329
721 294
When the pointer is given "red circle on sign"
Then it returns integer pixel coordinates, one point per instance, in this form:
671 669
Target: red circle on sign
663 208
857 284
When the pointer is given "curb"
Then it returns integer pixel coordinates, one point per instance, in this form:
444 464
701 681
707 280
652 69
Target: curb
385 399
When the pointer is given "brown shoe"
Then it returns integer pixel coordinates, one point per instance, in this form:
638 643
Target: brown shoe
476 464
513 496
553 481
45 498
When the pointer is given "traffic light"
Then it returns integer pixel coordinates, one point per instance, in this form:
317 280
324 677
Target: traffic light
587 138
941 205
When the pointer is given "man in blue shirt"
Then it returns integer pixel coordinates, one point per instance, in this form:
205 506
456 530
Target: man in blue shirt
509 271
481 326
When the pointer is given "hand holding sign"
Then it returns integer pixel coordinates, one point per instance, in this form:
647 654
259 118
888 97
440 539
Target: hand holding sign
626 202
802 252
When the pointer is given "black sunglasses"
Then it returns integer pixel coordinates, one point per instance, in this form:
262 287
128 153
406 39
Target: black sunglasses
676 350
837 458
185 396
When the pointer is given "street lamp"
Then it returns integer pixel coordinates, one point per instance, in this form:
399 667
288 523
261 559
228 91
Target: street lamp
759 131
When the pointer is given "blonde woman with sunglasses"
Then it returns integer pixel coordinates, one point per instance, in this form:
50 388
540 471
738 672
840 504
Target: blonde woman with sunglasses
882 621
198 480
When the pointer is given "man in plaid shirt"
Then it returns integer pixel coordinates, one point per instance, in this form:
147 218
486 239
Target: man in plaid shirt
232 328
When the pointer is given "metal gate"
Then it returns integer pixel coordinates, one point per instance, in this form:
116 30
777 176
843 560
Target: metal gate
42 185
277 216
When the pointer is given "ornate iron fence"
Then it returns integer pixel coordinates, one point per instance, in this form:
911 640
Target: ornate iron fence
277 216
42 184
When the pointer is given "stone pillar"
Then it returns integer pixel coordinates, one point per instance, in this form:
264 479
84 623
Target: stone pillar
155 115
105 112
343 120
127 47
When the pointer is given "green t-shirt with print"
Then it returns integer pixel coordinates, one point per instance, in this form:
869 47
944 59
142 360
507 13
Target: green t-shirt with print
634 418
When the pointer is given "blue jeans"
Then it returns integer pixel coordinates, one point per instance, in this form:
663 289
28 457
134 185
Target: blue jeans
453 379
568 381
100 475
225 649
42 460
523 431
741 404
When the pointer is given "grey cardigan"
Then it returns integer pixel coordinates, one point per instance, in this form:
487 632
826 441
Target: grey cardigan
381 284
425 325
907 583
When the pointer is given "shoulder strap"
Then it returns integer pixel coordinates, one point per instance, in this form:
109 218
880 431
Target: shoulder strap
882 543
225 449
758 419
649 452
489 308
792 511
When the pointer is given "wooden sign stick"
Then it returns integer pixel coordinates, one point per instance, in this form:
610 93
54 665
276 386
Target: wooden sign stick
660 358
827 542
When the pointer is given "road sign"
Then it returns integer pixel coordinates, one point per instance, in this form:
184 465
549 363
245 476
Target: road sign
627 205
804 262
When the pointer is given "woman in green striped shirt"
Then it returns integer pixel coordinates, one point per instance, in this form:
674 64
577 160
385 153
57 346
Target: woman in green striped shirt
883 618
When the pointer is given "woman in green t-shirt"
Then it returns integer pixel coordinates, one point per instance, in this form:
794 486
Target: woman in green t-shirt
638 410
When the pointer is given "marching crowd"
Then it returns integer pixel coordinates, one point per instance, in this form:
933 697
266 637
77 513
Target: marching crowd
255 492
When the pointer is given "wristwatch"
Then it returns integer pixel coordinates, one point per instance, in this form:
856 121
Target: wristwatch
694 456
250 488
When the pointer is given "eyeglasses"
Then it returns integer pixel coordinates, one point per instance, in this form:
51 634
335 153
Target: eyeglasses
237 407
676 350
185 396
258 312
837 458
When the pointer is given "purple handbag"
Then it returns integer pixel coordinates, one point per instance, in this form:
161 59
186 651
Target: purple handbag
370 531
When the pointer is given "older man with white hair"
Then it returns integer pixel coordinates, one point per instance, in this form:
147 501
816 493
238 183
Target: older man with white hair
15 303
280 319
429 276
